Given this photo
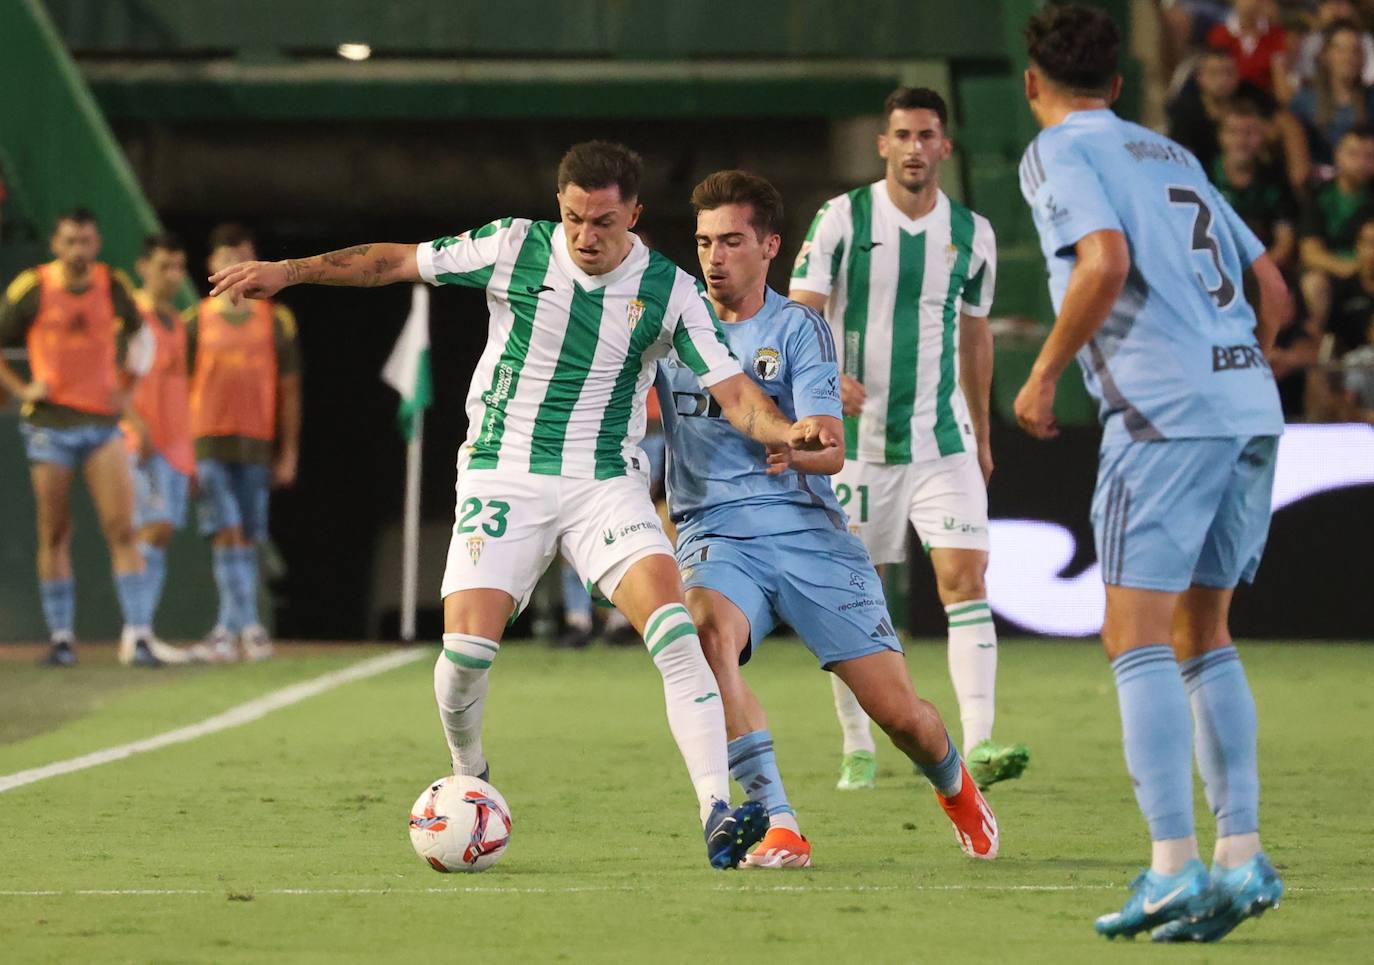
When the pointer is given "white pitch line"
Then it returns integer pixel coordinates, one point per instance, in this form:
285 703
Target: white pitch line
244 713
579 889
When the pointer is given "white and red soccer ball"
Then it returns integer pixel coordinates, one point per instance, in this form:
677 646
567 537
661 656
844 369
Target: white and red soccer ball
460 824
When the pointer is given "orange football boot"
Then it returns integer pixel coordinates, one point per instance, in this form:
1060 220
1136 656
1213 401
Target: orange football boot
975 826
780 848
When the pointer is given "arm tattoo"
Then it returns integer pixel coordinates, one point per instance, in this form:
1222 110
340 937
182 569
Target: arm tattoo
348 266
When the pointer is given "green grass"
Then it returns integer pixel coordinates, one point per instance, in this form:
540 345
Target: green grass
607 863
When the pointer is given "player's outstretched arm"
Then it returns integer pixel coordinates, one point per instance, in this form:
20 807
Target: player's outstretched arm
756 415
1099 275
362 266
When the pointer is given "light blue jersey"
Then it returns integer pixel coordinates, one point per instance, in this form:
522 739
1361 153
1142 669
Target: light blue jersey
1177 357
729 512
716 476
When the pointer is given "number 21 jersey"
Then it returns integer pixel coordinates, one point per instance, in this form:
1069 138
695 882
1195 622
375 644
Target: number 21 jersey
1177 355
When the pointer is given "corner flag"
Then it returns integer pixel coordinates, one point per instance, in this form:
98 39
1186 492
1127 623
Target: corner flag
407 370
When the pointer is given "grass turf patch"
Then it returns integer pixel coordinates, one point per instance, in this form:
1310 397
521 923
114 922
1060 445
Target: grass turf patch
285 840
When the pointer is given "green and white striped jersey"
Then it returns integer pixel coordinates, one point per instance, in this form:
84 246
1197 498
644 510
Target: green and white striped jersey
896 289
560 388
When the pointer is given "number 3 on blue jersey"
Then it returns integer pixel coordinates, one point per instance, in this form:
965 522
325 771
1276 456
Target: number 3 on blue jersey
1225 293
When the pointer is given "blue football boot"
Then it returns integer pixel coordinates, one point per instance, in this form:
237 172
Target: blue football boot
1247 891
730 834
1159 899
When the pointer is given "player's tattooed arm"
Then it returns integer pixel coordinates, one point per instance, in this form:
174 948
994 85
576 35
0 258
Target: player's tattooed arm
759 418
750 411
362 266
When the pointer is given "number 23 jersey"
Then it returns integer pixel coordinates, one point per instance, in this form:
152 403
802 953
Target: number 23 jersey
1177 355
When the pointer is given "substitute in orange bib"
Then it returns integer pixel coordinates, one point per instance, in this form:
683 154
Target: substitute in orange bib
77 318
157 425
245 420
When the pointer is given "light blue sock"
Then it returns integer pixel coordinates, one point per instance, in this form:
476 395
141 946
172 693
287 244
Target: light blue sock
577 603
221 559
246 581
154 575
133 600
754 765
59 605
1157 731
943 775
1226 738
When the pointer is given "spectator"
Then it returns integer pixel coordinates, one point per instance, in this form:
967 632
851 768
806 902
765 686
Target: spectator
1359 382
1253 185
1352 299
1195 114
1337 99
1258 44
1187 24
1330 219
1328 13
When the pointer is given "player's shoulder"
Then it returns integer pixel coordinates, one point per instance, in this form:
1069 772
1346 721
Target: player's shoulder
121 278
497 226
981 225
840 206
797 321
23 285
285 319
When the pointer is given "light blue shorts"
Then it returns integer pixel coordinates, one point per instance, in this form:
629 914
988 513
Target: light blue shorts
1174 513
233 495
159 491
65 447
819 582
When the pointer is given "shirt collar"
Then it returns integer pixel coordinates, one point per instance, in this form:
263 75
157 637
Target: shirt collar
639 253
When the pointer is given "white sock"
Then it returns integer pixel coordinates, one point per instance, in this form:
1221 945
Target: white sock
695 713
460 688
854 723
973 667
1168 857
578 620
1234 850
785 819
615 620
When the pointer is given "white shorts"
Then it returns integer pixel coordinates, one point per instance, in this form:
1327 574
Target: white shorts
509 524
945 499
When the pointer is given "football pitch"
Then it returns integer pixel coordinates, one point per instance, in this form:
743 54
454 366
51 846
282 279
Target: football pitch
284 839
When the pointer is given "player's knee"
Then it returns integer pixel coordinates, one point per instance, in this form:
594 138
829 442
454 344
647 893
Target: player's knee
720 652
118 529
54 533
157 534
911 720
962 585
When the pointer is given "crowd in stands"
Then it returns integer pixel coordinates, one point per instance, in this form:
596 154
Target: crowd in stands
1276 99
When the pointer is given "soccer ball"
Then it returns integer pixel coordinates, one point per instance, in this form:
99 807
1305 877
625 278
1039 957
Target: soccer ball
460 824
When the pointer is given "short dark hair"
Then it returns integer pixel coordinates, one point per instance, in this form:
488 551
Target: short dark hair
162 241
601 164
1241 107
741 187
231 234
1075 46
79 215
915 99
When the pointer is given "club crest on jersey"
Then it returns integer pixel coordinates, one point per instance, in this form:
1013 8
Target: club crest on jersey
475 548
634 311
951 253
767 361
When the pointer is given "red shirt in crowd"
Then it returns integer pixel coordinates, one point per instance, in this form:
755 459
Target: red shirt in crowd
1254 53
